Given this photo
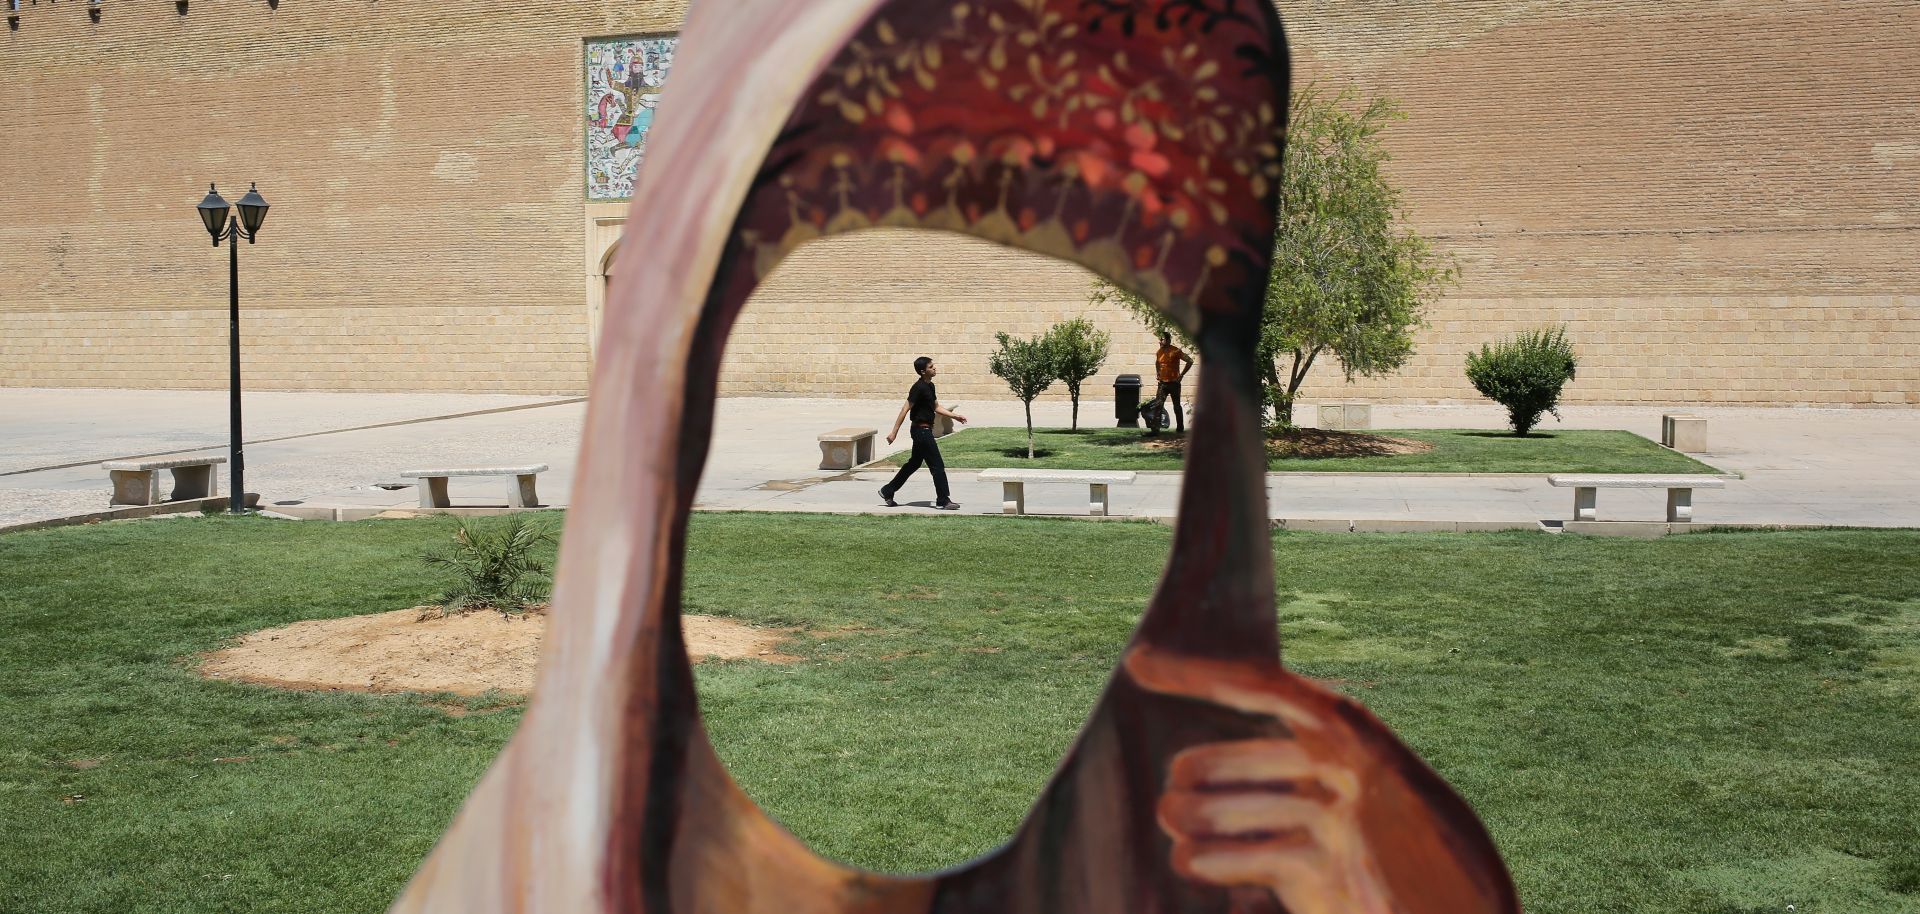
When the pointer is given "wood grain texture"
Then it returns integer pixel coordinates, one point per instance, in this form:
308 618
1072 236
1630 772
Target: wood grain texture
1208 778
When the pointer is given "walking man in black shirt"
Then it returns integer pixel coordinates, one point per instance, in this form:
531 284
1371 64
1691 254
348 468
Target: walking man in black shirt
922 405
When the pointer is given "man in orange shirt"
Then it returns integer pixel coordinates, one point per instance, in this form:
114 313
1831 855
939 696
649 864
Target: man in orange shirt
1170 365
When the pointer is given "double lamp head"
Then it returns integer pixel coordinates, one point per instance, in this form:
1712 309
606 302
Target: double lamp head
213 214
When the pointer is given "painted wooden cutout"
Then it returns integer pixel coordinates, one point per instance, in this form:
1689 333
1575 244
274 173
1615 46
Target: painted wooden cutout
1141 139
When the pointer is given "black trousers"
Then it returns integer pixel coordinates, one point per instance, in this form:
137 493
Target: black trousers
1171 390
925 450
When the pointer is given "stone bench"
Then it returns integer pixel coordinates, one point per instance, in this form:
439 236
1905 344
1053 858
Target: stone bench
1013 492
1679 491
137 482
433 484
846 448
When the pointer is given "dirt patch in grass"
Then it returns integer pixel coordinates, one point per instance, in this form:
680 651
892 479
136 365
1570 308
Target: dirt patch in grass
1321 444
1313 444
418 650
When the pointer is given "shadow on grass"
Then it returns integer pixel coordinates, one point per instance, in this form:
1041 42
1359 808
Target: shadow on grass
1020 453
1116 436
1530 436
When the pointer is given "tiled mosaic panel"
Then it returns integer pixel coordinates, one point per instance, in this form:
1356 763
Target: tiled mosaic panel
624 78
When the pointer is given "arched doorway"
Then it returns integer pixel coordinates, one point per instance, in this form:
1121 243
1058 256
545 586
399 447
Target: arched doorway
605 221
596 308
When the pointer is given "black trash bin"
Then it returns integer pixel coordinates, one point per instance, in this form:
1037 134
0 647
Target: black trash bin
1126 401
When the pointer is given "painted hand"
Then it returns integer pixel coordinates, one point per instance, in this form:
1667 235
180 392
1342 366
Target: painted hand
1263 813
891 434
1336 818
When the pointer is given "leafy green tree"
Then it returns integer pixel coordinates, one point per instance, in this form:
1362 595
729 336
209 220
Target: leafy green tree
1348 278
1525 374
1027 367
1079 349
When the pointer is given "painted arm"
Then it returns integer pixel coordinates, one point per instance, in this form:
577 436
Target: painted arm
1188 366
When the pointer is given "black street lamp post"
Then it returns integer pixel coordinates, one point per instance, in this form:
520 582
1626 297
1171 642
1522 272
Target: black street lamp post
213 214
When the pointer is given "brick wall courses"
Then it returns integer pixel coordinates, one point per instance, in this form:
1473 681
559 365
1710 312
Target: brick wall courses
423 162
1720 199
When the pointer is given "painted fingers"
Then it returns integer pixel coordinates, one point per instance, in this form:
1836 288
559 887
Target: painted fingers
1263 813
1334 816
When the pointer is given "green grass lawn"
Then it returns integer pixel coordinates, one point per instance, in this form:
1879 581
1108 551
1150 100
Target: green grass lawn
1717 723
1455 450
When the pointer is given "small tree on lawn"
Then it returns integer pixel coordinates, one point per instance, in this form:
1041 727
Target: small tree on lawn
1347 277
1079 349
1027 367
1525 374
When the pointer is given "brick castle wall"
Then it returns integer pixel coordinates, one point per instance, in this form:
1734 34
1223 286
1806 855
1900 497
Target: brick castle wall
1721 200
423 162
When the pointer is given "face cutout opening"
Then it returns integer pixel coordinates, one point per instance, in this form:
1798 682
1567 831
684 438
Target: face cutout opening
946 663
1171 201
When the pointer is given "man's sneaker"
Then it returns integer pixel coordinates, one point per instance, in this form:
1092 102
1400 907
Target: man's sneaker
888 499
947 506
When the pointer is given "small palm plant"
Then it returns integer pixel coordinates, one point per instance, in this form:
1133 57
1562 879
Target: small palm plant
494 566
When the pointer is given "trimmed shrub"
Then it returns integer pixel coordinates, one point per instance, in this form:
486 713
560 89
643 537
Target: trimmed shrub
1524 374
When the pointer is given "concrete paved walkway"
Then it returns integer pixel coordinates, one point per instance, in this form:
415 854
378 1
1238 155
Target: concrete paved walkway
1799 466
319 452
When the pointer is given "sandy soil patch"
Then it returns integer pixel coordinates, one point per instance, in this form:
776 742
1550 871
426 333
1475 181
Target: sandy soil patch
1316 444
411 650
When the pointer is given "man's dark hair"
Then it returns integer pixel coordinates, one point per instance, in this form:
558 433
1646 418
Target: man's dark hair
1166 336
920 364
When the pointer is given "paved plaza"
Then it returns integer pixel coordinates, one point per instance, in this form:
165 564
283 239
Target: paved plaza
341 455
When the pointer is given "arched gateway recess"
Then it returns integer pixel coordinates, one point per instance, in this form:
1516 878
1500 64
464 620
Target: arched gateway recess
1141 139
600 283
